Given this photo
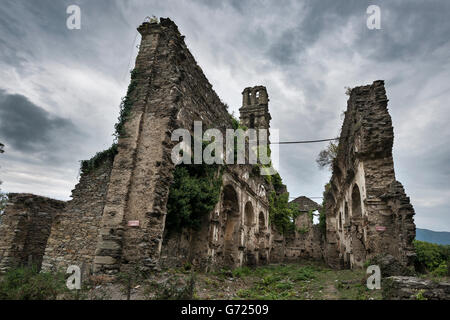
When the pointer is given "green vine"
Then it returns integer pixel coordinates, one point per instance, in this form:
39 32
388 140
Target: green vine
282 214
125 107
99 158
194 193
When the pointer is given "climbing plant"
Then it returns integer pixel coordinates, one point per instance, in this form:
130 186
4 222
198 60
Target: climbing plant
282 214
194 192
99 158
125 106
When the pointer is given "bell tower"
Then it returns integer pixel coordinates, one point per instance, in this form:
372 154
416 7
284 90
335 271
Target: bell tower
254 113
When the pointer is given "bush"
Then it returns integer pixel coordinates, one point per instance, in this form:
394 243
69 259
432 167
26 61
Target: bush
282 213
194 192
25 283
99 158
431 257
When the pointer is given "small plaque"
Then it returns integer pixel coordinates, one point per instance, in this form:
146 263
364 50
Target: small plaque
133 223
380 228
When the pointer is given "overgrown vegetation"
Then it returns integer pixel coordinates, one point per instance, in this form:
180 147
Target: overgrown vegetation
322 212
26 283
99 158
193 193
432 258
282 214
125 106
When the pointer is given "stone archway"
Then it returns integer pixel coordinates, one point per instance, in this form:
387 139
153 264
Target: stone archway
249 217
230 210
357 232
262 250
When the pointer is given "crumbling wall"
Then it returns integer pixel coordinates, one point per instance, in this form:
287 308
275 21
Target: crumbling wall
25 228
367 211
171 92
74 232
235 233
305 242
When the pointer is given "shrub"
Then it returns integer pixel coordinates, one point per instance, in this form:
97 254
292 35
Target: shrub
430 256
282 213
194 192
25 283
99 158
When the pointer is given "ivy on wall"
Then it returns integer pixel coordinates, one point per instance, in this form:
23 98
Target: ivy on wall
125 107
282 214
194 193
99 158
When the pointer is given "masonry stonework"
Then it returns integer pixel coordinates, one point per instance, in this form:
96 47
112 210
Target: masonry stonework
367 210
25 228
116 218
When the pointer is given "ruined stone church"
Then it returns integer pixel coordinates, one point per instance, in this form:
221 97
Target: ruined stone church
117 216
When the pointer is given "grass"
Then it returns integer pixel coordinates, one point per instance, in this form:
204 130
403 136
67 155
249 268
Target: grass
306 281
26 283
301 281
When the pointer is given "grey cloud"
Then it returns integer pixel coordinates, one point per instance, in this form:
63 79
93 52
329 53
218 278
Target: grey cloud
246 46
27 127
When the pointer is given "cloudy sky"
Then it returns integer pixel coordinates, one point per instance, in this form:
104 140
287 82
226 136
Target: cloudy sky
60 89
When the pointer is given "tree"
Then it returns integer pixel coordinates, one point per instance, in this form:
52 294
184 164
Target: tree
326 156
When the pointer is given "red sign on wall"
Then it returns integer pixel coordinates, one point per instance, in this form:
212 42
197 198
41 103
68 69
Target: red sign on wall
133 223
380 228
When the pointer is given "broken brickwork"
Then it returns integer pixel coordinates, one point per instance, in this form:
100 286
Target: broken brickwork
25 228
116 218
367 211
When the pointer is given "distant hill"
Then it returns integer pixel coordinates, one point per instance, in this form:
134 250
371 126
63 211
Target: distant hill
433 236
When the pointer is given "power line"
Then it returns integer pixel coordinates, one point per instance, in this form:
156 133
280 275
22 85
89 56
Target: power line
304 141
131 56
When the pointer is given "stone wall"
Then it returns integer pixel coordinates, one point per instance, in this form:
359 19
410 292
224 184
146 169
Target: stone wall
25 228
116 218
412 288
368 213
74 233
172 92
235 233
304 243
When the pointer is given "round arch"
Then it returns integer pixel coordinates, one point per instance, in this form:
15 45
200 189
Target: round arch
249 214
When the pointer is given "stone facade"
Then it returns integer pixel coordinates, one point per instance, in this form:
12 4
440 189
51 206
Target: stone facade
25 228
116 218
73 237
305 242
367 211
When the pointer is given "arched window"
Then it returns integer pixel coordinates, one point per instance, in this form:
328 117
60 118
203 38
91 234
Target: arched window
252 121
261 221
356 202
230 209
249 214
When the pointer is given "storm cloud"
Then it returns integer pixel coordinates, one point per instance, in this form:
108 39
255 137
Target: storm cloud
69 83
29 128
